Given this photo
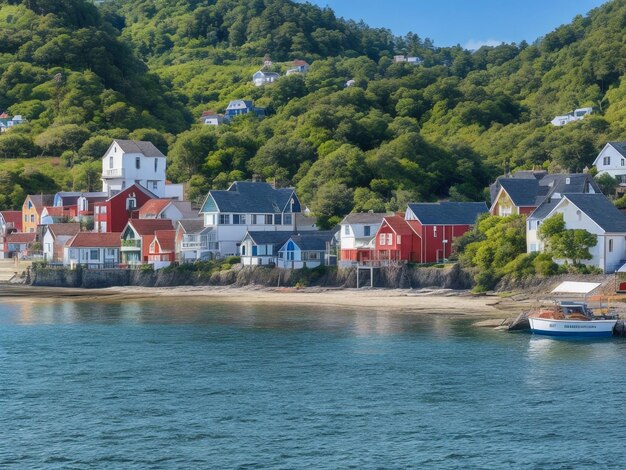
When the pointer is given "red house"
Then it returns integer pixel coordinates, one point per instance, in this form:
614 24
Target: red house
437 224
113 214
396 241
138 236
162 248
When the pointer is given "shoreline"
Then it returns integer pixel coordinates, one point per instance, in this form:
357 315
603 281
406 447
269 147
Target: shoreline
423 301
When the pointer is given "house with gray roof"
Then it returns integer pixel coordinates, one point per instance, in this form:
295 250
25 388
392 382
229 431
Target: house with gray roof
239 107
261 78
591 212
523 192
193 241
309 250
356 237
248 206
612 161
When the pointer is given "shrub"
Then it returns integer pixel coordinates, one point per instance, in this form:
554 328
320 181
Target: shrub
545 265
485 280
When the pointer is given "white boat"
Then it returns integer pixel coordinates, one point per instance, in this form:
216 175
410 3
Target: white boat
574 319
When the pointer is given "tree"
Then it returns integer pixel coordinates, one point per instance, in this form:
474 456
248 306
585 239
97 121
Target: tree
607 184
562 243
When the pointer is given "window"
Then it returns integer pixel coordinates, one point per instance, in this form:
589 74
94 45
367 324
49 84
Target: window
96 210
30 204
389 239
606 161
239 219
32 217
287 218
269 219
156 164
533 247
398 240
346 230
224 219
623 162
610 245
131 203
567 181
94 255
435 231
111 252
103 226
103 210
110 162
153 184
382 239
278 219
25 217
138 163
367 230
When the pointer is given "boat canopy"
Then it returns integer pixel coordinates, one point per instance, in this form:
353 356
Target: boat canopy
572 287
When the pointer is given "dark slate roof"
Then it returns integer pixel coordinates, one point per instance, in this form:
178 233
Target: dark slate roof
522 191
363 218
192 225
542 211
314 240
600 210
252 198
269 237
578 183
449 213
139 146
41 200
620 147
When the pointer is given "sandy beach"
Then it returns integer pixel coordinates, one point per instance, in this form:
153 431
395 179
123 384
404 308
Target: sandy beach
424 301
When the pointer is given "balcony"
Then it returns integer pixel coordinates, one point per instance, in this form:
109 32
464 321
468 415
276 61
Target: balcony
113 173
131 245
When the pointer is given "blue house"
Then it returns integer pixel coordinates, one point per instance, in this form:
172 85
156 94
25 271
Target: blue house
308 250
239 107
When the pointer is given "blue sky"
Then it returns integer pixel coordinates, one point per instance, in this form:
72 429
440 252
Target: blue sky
470 23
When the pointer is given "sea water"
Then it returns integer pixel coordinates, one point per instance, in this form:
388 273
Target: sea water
169 384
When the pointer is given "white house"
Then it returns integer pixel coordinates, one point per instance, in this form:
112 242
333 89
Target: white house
211 118
261 78
134 161
261 248
357 233
92 249
194 241
299 66
591 212
612 161
575 115
248 206
54 239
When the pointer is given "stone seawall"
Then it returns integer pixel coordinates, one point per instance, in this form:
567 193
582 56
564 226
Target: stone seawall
402 277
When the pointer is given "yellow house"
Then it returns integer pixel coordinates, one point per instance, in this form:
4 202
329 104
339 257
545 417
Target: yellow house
32 208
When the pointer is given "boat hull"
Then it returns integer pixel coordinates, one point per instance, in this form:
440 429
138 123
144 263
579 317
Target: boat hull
574 328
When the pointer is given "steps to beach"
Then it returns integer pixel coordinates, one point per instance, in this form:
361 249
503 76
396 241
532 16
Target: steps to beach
9 269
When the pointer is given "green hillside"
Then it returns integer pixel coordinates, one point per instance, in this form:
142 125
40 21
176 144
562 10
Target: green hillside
442 129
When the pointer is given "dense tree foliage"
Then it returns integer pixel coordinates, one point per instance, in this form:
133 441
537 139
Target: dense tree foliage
401 132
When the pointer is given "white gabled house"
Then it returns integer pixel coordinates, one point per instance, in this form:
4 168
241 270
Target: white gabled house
261 248
612 161
591 212
127 162
308 250
261 78
248 206
92 249
193 240
357 236
575 115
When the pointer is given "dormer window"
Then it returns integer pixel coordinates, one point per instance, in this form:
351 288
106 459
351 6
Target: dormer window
131 203
567 180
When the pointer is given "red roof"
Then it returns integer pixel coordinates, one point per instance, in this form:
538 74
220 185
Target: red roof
4 116
56 211
14 217
95 240
149 226
398 225
153 207
21 237
165 239
300 63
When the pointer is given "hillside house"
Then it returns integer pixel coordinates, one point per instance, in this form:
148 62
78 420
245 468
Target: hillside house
129 162
438 224
247 206
591 212
240 107
357 237
93 250
524 191
573 116
194 241
298 66
55 236
262 78
113 214
18 244
32 209
137 237
78 205
612 161
7 122
211 118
